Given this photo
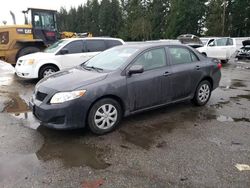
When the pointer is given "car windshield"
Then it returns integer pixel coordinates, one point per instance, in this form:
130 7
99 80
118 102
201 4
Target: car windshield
54 47
110 59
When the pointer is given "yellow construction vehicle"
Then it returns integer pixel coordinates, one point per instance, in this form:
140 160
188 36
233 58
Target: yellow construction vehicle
68 34
39 31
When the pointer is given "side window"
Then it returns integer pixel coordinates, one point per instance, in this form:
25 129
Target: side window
112 43
230 42
37 21
152 59
181 55
47 21
95 45
75 47
194 57
221 42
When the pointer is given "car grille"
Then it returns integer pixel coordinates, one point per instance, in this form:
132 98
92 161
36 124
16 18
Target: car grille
40 96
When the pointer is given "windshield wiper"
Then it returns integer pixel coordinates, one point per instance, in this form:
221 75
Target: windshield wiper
94 68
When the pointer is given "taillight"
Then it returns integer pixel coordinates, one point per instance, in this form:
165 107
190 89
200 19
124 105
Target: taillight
219 65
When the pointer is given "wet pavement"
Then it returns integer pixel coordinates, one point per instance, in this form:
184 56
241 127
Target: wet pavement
176 146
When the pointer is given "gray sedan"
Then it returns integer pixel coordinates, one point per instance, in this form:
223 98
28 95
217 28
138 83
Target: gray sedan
122 81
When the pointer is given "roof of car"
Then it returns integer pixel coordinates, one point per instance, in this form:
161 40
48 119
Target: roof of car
145 45
92 38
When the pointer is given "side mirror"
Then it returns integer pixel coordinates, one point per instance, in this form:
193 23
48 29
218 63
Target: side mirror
135 69
64 51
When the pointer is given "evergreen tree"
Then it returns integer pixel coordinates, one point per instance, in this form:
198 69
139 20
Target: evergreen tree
159 10
240 18
214 21
185 17
156 19
138 25
105 15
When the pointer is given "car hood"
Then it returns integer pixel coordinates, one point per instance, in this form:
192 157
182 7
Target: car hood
246 42
71 79
200 49
37 56
190 39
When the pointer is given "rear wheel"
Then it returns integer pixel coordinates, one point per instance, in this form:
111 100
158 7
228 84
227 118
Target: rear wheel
104 116
203 93
47 70
224 61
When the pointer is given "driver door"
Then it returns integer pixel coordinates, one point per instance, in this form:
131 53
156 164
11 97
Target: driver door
74 55
152 87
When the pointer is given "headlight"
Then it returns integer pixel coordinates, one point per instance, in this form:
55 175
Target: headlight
66 96
28 62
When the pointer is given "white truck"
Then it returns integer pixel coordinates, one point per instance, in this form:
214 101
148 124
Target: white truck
220 48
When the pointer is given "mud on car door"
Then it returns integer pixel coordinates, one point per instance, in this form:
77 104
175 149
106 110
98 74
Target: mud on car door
151 87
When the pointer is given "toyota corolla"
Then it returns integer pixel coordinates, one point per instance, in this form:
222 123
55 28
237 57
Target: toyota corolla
122 81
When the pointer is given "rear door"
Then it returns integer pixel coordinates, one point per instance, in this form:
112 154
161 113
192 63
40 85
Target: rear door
186 72
93 47
152 87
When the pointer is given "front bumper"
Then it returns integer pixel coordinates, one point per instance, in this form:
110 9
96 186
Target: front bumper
68 115
27 72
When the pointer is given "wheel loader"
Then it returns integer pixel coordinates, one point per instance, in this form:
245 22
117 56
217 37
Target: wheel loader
38 32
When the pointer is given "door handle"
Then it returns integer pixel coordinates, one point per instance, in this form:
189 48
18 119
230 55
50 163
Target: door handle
197 67
166 73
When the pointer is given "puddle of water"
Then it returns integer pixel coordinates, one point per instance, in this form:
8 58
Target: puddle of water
244 96
220 104
238 97
67 147
144 135
28 119
238 84
234 85
58 145
241 119
16 104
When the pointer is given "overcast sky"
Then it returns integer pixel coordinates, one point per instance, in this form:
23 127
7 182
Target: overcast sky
16 6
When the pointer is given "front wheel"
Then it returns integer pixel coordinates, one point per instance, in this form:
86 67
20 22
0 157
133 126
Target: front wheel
104 116
47 70
202 93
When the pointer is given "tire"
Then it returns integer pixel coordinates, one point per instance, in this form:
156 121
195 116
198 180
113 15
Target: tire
224 61
104 116
202 93
27 50
46 71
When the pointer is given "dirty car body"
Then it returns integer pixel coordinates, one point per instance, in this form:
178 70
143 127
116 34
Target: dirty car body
122 81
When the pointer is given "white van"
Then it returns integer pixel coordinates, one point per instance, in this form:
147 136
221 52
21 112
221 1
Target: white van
220 48
63 54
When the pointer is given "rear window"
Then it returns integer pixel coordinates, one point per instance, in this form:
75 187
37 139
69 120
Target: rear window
180 55
95 45
112 43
